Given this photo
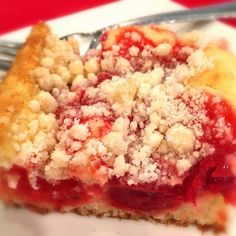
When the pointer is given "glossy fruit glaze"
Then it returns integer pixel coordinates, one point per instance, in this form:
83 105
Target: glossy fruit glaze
46 195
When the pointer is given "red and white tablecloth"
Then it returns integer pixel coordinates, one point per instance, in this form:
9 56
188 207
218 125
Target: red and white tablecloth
15 14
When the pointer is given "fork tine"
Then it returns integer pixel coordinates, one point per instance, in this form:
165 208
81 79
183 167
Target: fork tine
7 53
7 44
6 61
4 66
6 58
9 48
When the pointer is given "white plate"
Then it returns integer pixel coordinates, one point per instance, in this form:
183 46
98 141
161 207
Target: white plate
23 222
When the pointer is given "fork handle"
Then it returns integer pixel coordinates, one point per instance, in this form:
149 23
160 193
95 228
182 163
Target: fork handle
209 12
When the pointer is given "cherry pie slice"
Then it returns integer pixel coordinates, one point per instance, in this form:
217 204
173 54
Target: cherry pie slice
144 127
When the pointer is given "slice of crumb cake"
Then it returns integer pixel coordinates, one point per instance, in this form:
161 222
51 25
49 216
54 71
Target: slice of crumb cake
142 128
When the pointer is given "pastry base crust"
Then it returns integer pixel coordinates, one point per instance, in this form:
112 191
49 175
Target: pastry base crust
209 213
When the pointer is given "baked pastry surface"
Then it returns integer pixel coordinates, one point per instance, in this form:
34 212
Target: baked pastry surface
143 128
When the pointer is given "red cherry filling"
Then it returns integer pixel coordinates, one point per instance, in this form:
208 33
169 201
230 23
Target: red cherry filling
52 195
143 197
212 174
159 198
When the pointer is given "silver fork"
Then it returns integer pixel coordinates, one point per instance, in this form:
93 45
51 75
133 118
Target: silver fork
90 40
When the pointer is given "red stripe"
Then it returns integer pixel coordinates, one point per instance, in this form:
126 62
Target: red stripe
15 14
198 3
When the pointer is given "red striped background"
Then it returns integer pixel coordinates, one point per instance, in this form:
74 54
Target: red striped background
15 14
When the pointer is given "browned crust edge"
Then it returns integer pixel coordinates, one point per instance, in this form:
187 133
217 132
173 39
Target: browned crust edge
18 87
26 59
122 215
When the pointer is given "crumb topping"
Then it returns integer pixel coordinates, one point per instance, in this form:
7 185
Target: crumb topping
114 114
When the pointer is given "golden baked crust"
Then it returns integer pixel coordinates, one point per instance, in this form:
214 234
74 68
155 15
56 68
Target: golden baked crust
222 79
210 212
18 87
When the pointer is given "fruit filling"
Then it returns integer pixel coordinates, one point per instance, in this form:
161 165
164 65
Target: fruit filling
123 124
